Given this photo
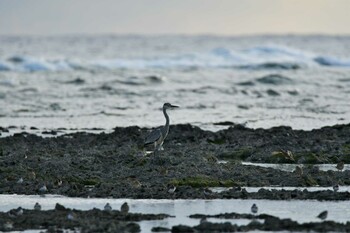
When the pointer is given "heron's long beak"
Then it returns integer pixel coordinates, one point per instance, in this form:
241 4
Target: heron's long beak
174 106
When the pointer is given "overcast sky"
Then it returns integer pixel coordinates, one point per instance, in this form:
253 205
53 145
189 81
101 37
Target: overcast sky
229 17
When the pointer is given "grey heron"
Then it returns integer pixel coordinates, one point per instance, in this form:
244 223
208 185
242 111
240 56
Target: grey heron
158 135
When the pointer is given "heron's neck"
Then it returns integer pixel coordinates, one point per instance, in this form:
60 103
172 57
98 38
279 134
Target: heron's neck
166 117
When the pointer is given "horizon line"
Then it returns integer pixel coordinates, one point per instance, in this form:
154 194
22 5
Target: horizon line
131 34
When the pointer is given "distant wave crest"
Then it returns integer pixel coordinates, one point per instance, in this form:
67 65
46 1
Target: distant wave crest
261 57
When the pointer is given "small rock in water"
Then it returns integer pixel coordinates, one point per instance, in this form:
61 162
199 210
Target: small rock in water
37 206
156 78
160 229
254 208
124 208
323 215
271 92
59 207
77 81
107 207
203 220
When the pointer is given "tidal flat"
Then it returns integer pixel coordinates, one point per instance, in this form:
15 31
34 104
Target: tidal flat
116 166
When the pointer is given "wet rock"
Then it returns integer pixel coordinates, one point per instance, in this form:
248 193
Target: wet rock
60 207
224 123
273 65
77 81
160 229
103 165
274 79
182 229
271 92
271 223
247 83
4 130
94 220
52 132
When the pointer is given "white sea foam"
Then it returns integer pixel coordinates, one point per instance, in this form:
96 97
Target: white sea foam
331 61
216 58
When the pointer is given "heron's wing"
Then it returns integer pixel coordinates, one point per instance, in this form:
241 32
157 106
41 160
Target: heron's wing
153 136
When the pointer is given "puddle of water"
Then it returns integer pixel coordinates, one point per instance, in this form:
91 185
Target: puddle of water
291 167
310 189
48 135
301 211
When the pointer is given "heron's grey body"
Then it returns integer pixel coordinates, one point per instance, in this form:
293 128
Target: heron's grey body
158 135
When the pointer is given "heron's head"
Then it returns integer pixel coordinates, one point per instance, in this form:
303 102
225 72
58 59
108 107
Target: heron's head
169 106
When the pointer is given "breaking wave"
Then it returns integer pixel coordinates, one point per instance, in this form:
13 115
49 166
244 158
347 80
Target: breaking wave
262 57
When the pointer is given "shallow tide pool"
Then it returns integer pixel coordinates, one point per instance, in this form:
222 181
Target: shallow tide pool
301 211
291 167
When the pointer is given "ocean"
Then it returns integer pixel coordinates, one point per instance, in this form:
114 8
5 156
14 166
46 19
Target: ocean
100 82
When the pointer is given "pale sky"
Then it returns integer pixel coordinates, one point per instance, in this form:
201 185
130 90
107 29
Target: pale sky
227 17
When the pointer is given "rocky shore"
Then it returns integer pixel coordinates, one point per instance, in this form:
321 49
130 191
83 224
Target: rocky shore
115 164
61 219
269 223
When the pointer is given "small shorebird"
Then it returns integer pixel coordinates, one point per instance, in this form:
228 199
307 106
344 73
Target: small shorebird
323 215
124 208
107 207
336 187
43 189
58 182
37 206
254 208
340 166
15 212
171 188
158 135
